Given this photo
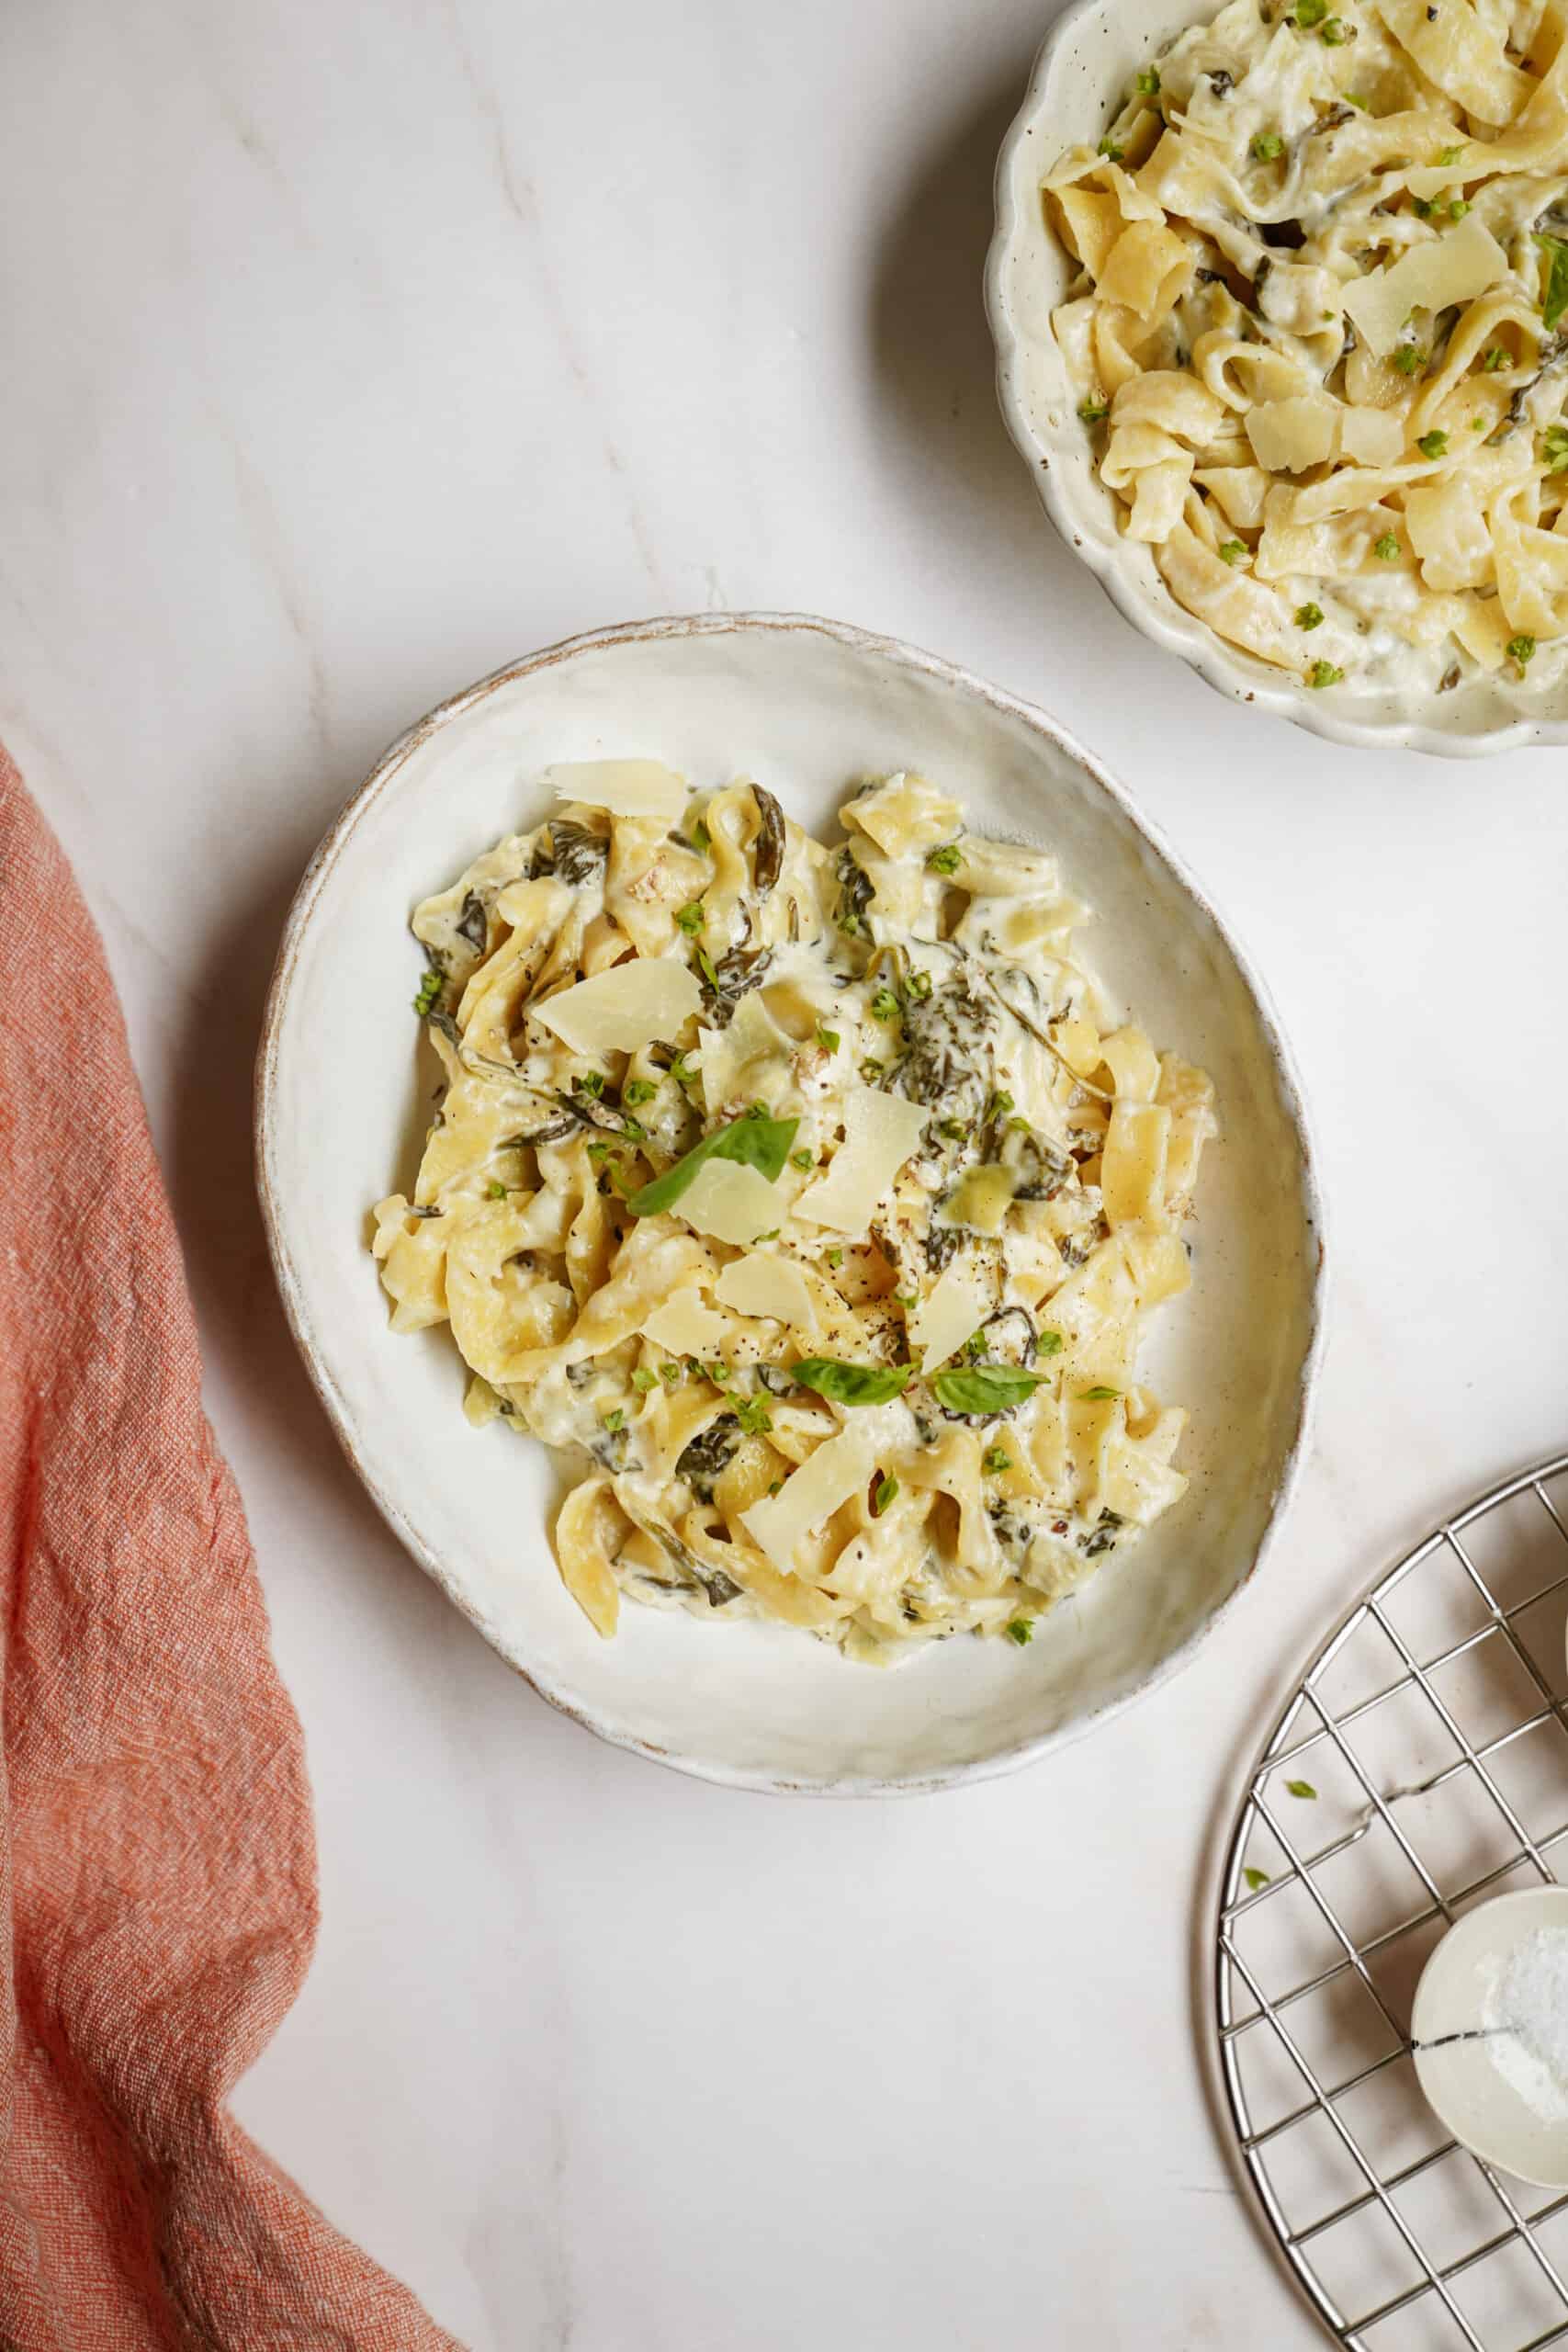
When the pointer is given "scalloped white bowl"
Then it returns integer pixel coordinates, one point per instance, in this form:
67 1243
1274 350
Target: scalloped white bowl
343 1094
1088 59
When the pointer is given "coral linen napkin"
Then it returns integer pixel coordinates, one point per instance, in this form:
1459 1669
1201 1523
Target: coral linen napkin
157 1865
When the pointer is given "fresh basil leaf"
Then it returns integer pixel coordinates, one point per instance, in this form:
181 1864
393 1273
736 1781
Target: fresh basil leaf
852 1384
762 1144
984 1388
1555 300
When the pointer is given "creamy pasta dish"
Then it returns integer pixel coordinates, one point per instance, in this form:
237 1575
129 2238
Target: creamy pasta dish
810 1194
1320 332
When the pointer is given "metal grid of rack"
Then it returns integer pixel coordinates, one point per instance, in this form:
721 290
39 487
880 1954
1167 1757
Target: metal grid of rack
1420 1766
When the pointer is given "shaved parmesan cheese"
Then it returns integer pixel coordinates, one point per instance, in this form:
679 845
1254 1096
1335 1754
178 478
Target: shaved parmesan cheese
1372 436
626 787
1449 269
810 1496
880 1132
767 1287
1289 436
732 1202
618 1010
952 1314
731 1058
687 1328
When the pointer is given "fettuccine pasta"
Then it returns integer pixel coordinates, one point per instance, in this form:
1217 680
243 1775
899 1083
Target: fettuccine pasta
1322 261
812 1193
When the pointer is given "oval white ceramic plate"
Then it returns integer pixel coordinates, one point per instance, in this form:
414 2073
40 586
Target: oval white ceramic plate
1088 61
1480 2106
343 1092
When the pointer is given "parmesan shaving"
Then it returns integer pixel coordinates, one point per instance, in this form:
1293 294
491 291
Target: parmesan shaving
952 1314
687 1328
1451 269
769 1286
730 1203
623 1009
626 787
880 1132
781 1523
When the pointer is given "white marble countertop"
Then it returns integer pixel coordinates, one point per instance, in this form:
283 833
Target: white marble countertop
352 351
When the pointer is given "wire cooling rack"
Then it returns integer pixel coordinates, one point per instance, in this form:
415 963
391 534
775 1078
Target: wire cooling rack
1420 1767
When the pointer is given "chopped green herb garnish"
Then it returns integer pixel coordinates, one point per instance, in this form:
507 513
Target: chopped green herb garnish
1521 650
995 1460
704 963
1433 445
691 917
907 1297
999 1106
1387 548
775 1486
884 1005
886 1489
637 1091
643 1380
1458 207
1422 207
1409 358
1049 1344
1022 1630
1232 551
920 987
801 1160
1148 83
598 1150
589 1081
1108 148
1301 1789
953 1129
669 1373
985 1389
615 1422
682 1070
1336 33
701 839
717 1372
1494 357
1267 146
852 1384
1098 1394
870 1069
835 1259
1554 296
495 1190
1256 1878
763 1144
1554 449
753 1416
1090 411
829 1039
1308 616
946 859
1446 155
1323 673
429 989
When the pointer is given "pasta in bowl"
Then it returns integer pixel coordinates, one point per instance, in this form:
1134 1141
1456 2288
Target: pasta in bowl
345 1103
810 1195
1286 320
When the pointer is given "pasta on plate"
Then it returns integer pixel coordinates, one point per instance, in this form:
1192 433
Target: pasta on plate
811 1194
1317 332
